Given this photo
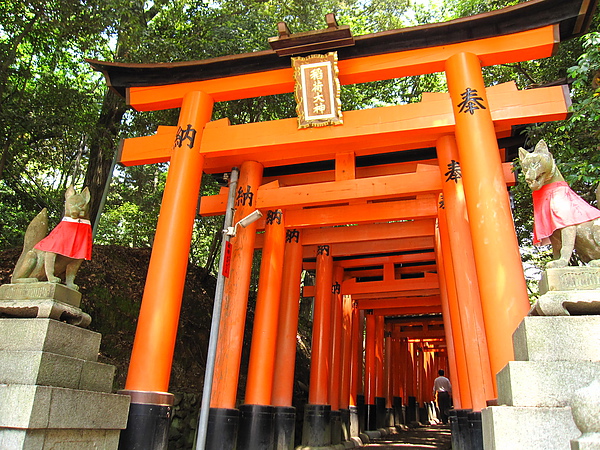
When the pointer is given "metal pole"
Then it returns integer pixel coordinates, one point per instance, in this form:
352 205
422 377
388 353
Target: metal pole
216 318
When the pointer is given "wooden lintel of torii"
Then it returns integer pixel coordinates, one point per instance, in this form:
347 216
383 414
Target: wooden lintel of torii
415 197
392 287
373 247
368 232
399 302
366 132
520 46
373 272
420 257
386 312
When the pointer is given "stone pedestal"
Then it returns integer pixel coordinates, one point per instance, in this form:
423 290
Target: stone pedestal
555 355
53 391
43 300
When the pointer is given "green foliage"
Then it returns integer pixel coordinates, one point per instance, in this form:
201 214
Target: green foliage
58 125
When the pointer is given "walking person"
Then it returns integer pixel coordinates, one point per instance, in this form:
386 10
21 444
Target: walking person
442 393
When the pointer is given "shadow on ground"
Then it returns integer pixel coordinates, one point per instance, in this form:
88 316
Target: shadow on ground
428 437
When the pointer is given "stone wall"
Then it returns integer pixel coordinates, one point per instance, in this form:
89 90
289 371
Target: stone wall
185 420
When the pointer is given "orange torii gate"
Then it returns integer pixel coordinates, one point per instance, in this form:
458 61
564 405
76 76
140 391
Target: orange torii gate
348 194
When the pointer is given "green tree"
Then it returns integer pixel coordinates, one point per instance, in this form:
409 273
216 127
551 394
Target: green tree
47 103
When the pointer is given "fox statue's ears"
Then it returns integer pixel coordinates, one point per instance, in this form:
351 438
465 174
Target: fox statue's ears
541 147
70 192
523 153
85 194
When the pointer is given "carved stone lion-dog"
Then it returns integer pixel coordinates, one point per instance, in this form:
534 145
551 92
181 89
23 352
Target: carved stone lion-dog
60 252
561 217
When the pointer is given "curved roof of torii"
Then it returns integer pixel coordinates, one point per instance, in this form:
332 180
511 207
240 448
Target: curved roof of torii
573 16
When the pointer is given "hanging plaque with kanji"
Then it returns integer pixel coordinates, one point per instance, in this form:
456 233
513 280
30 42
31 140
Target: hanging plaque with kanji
317 90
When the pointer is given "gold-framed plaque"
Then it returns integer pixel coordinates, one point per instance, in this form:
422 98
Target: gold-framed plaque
317 90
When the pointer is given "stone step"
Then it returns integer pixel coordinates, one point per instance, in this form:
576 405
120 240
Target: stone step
531 428
50 369
544 383
42 417
558 338
50 336
18 439
37 407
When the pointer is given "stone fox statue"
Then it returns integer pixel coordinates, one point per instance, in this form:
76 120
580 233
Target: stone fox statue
63 250
561 217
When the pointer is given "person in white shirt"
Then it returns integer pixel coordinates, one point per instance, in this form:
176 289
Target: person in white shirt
442 393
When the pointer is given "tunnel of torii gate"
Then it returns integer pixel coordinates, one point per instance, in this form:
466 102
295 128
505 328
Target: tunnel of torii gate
402 213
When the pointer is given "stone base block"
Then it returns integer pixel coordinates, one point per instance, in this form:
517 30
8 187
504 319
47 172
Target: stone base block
40 291
45 407
16 439
572 278
512 427
563 338
50 369
544 383
49 336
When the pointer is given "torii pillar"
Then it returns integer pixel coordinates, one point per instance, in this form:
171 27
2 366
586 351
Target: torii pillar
454 230
370 371
335 376
316 431
346 367
356 373
257 415
285 354
154 344
502 286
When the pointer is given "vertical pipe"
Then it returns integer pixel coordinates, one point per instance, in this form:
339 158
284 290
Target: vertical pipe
216 318
283 384
235 294
500 273
152 355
